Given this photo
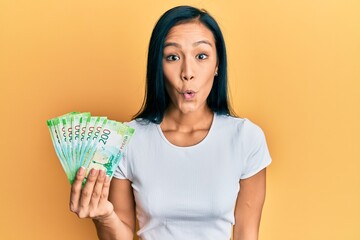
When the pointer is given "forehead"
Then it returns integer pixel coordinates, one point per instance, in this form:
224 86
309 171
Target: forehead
191 31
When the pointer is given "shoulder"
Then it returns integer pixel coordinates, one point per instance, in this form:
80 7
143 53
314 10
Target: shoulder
144 130
242 126
140 124
241 132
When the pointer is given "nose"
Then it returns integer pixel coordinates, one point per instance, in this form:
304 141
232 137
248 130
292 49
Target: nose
187 72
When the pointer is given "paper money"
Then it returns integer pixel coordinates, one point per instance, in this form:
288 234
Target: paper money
106 153
80 139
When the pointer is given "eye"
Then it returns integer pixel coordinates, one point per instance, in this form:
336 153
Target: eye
172 58
202 56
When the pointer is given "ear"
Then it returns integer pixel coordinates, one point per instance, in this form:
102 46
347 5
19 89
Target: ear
216 70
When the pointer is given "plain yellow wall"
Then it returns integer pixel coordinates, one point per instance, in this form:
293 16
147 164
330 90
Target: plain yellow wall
294 69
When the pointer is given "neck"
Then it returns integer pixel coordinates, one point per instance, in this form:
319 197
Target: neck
187 122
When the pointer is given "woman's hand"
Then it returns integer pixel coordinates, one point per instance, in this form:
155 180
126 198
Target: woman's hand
91 201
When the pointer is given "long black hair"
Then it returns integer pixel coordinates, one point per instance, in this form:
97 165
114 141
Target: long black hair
156 98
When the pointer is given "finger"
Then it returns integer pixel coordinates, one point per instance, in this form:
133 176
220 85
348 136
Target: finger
94 201
76 189
105 189
88 189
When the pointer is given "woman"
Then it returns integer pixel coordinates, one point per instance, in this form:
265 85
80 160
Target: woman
183 170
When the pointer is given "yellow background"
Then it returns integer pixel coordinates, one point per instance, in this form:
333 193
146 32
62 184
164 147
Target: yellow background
293 67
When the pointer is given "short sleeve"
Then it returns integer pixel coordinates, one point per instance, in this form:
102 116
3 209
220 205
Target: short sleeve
258 156
121 172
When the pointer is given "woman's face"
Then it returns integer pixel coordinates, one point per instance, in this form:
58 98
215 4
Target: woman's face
190 64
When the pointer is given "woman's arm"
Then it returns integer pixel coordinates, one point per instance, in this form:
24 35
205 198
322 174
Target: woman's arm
91 201
123 216
249 206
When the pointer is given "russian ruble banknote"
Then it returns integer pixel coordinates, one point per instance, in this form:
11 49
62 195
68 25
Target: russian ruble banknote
80 139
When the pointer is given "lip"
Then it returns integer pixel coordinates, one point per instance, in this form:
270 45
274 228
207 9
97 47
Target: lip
189 91
188 94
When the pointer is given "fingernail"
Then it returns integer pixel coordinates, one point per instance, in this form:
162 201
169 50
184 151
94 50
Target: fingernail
107 178
101 173
92 171
81 170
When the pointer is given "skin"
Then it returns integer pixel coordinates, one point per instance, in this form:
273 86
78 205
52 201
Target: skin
249 206
189 63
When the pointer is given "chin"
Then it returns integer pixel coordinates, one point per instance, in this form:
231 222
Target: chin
188 109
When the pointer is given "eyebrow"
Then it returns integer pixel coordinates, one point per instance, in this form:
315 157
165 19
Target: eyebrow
202 41
167 44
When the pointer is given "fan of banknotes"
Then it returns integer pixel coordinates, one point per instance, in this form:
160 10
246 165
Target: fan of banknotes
80 139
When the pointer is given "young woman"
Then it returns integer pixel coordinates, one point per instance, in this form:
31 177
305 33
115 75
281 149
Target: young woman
192 169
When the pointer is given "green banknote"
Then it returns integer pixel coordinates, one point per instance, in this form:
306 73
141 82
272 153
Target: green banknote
93 129
109 147
80 139
75 138
61 133
59 151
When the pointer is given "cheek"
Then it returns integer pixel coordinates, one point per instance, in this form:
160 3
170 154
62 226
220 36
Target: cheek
169 76
165 70
170 69
208 78
170 89
209 86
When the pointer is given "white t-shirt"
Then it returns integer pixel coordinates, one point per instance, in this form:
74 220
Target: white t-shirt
190 192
